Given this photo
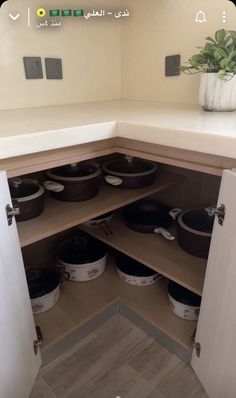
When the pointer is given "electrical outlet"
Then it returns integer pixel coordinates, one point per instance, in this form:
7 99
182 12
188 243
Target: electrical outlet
33 67
172 64
53 68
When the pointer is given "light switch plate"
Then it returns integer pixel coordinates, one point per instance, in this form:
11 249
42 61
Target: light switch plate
172 64
33 67
53 68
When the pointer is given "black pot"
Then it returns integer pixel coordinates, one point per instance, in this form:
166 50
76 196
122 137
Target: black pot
75 182
148 216
28 196
130 173
194 230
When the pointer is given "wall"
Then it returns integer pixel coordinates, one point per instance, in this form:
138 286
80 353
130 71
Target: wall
165 27
91 53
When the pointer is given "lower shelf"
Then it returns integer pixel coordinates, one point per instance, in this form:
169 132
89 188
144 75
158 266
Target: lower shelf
82 301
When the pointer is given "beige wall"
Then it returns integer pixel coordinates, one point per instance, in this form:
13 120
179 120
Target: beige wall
105 60
91 53
165 27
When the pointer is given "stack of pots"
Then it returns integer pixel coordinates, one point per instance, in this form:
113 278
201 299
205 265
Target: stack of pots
83 257
75 182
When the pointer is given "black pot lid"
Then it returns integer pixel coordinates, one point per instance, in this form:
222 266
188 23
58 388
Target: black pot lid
199 220
42 281
75 170
132 267
183 295
148 213
133 166
22 188
81 250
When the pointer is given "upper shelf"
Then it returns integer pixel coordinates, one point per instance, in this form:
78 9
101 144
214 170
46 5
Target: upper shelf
59 216
165 257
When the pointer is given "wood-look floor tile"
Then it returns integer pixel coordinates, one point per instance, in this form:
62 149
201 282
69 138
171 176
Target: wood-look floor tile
181 382
41 390
154 362
67 354
118 360
110 350
124 383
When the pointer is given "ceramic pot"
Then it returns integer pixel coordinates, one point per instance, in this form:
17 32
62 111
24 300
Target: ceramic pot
135 273
216 94
44 287
83 257
184 303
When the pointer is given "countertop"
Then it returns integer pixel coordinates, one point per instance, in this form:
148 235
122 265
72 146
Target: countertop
33 130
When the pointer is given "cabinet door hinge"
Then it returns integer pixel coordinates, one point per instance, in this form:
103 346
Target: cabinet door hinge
218 212
39 340
197 347
11 212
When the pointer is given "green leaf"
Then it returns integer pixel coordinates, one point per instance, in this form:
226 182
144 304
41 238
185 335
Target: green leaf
208 38
220 35
220 53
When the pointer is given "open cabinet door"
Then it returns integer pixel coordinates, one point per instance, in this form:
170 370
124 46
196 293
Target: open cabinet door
216 331
19 363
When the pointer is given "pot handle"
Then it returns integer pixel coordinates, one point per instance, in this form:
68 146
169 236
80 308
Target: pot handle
65 276
53 186
112 180
175 212
167 235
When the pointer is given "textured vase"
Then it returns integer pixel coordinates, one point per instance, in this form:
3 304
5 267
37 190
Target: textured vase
216 94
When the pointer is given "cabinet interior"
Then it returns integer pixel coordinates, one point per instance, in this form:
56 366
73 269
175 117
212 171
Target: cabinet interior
82 301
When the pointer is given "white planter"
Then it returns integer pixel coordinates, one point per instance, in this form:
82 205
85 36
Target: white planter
217 95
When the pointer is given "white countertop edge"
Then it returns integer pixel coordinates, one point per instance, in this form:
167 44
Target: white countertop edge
197 142
54 139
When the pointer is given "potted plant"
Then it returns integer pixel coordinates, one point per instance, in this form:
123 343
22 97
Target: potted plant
216 62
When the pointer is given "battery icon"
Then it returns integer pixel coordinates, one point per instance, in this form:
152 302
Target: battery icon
66 13
78 13
54 13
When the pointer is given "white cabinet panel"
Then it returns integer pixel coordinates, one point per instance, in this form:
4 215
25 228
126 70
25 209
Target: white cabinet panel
19 364
216 332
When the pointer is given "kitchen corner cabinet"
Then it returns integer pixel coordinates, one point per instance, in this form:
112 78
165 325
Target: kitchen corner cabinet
83 306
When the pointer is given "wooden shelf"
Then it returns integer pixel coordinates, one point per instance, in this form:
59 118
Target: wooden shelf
81 301
59 216
156 252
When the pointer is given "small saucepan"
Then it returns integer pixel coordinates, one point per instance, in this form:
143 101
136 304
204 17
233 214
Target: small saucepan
194 231
28 196
149 216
